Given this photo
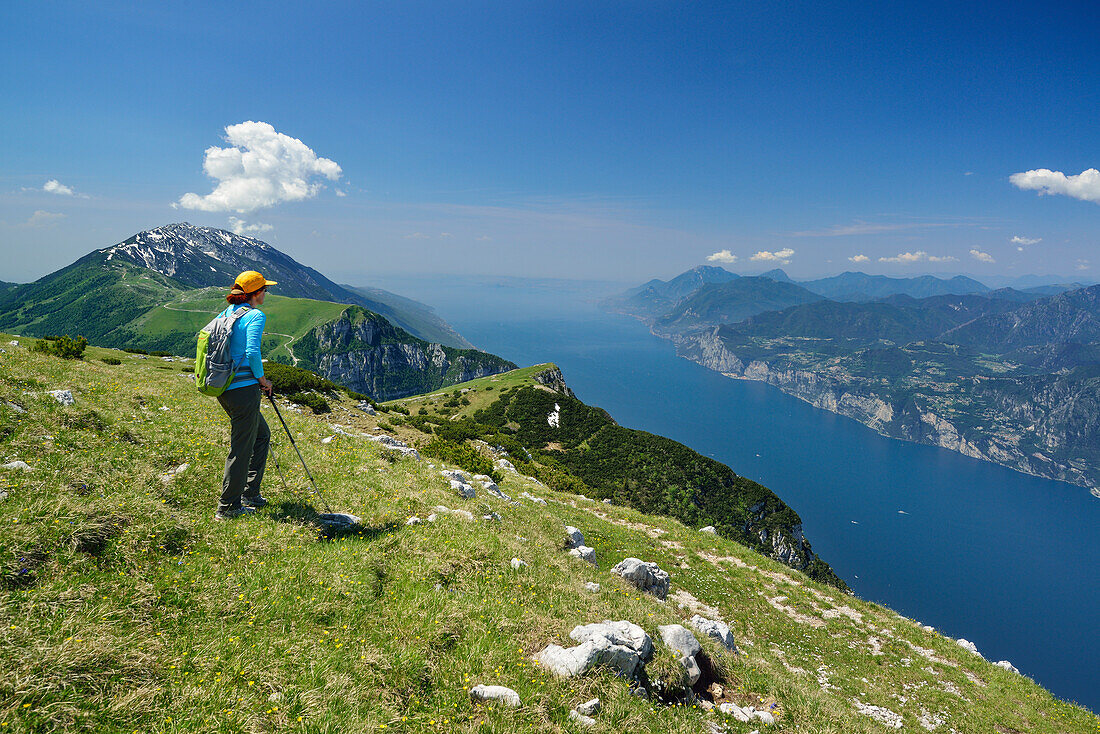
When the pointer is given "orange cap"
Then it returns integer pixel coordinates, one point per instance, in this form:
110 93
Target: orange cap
250 281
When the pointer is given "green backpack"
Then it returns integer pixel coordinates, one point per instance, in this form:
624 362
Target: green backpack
214 368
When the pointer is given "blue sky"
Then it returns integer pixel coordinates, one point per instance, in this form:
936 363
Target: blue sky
609 140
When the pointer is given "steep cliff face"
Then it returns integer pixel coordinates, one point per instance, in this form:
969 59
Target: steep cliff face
365 352
1046 426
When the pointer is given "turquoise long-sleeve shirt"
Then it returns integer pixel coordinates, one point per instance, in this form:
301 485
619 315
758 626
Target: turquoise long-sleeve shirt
244 346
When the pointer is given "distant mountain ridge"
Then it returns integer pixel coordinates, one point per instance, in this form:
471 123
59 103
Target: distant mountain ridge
856 286
1010 376
157 288
206 256
732 301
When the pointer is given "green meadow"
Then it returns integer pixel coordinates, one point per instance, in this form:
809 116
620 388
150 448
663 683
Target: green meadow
125 608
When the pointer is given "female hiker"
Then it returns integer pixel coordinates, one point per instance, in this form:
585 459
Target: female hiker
248 443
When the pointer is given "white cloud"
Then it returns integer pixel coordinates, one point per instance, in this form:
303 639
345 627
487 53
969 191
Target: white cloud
239 226
980 256
43 219
1084 185
418 236
905 257
262 168
859 258
1017 240
968 173
722 256
340 193
780 256
53 186
918 256
445 234
484 238
1082 265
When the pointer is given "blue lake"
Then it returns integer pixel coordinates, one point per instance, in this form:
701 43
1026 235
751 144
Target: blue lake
1006 560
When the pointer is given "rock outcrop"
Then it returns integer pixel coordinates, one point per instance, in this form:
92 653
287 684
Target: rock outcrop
646 576
364 351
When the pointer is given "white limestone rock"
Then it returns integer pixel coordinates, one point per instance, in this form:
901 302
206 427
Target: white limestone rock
327 439
732 709
709 529
366 407
15 406
968 645
573 538
585 554
65 397
1007 666
414 520
647 576
581 719
886 717
624 633
171 474
463 490
533 498
454 475
589 708
679 639
681 642
746 713
505 465
621 646
716 629
433 517
517 564
464 514
591 586
495 694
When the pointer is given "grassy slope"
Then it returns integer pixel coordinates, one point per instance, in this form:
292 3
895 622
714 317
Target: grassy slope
123 607
190 311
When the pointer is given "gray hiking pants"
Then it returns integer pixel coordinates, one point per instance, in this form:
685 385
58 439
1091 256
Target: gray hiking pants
248 443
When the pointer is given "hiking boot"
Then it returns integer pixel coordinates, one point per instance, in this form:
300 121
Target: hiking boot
234 513
256 502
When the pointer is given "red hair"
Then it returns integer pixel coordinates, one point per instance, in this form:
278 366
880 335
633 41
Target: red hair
237 295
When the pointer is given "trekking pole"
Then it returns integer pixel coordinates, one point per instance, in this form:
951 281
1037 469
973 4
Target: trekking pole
279 469
295 445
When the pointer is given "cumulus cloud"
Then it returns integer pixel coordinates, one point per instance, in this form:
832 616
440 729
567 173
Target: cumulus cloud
1017 240
859 258
260 169
43 219
53 186
340 193
1084 185
983 257
916 257
1082 265
779 256
722 256
905 257
239 226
